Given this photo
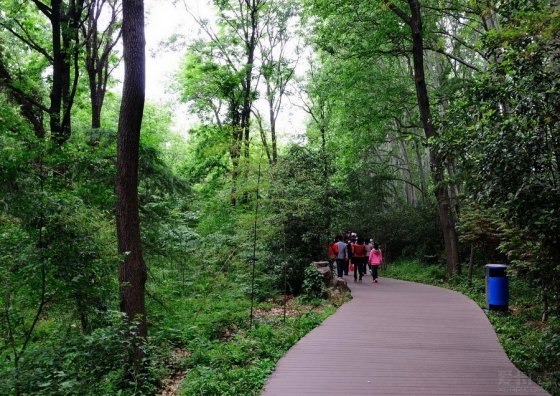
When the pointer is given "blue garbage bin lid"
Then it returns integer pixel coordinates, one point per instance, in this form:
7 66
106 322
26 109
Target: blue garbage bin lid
497 266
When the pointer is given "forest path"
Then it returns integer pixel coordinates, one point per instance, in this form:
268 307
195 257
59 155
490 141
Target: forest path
400 338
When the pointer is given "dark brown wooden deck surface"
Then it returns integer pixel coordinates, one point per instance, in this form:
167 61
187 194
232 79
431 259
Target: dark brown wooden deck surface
400 338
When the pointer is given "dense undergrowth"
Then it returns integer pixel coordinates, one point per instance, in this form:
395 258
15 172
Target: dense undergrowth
207 325
532 345
241 363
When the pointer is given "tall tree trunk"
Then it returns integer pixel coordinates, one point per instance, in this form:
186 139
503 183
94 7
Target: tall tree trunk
437 65
250 36
65 19
65 22
132 271
436 163
67 45
95 110
57 76
250 43
327 218
263 138
99 46
272 120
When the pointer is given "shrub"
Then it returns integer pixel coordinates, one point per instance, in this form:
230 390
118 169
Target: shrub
313 286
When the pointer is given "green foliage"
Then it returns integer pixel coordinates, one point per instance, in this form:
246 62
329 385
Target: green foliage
241 364
71 362
204 83
415 271
300 210
483 230
207 157
406 232
59 259
508 141
313 285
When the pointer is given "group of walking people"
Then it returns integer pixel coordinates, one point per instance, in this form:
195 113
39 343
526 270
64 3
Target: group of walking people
353 251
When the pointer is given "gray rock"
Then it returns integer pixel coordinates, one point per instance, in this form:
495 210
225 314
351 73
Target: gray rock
327 275
341 284
320 264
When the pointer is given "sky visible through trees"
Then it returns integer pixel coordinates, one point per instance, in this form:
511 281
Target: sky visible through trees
169 27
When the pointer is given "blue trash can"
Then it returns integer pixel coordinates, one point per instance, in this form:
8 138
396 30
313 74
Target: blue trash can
496 287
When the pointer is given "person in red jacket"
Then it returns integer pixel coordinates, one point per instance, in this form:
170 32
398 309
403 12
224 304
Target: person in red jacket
359 258
375 260
333 250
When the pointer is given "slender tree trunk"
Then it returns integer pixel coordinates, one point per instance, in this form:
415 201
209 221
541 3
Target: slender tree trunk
436 163
471 266
95 110
98 86
421 169
132 271
447 222
99 46
272 120
546 308
67 42
264 140
92 55
407 175
327 218
235 151
57 76
251 33
234 178
65 22
437 65
251 43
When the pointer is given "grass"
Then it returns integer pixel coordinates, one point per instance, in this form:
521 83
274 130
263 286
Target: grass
240 364
206 323
533 346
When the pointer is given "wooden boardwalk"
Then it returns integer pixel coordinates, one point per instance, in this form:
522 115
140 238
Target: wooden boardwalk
400 338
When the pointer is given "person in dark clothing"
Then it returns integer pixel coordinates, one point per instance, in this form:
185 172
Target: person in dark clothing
359 258
349 259
341 257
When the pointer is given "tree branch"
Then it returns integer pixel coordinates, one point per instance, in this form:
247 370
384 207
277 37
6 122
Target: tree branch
461 61
45 9
400 13
460 41
28 40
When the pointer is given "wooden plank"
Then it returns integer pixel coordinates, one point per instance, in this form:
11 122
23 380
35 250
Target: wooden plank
400 338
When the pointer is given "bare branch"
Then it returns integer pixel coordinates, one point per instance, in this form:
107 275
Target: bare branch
460 41
461 61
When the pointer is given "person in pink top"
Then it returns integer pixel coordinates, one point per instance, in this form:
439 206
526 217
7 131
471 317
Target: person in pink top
375 260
